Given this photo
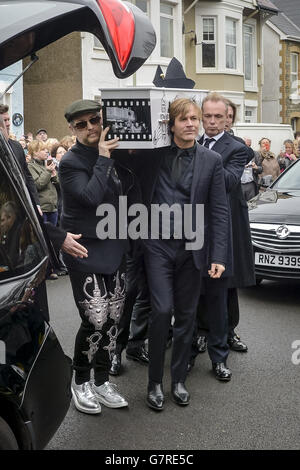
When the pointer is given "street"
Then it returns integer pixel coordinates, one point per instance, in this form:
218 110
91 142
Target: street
259 409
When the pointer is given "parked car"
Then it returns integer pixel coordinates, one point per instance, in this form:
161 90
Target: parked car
35 374
275 227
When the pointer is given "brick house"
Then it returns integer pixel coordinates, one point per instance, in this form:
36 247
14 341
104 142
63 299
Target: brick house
287 27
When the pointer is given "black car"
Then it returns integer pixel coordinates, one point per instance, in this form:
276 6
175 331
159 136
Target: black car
35 374
275 227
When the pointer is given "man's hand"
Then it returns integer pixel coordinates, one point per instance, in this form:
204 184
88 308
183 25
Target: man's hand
216 270
40 210
72 247
105 147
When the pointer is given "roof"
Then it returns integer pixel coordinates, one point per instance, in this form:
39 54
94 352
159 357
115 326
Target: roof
267 5
288 19
290 8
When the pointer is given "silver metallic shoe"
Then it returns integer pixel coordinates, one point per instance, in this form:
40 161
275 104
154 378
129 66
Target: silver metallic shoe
84 398
108 395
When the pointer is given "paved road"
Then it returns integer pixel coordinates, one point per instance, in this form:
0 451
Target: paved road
258 409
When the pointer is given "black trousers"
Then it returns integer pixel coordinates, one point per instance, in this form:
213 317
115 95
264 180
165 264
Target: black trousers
100 300
212 319
233 310
173 283
133 326
249 190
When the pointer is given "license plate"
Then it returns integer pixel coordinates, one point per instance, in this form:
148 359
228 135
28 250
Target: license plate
287 261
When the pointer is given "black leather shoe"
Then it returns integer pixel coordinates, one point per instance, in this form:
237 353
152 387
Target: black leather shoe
180 394
236 344
221 371
155 396
191 364
115 365
202 344
138 354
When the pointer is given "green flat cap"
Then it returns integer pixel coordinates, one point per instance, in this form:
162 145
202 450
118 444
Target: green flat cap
81 107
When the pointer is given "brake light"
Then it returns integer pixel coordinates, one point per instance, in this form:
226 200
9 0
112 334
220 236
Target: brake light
121 27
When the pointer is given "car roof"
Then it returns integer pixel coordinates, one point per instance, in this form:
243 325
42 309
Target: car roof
125 32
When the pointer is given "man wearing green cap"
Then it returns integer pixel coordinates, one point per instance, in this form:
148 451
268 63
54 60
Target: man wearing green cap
90 178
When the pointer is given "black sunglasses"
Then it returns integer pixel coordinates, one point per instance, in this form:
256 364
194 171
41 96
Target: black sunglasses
83 124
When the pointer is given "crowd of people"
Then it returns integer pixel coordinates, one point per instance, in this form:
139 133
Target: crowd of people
144 296
265 167
43 155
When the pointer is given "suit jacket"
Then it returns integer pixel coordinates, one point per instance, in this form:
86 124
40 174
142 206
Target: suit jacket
234 155
86 183
250 151
21 159
207 188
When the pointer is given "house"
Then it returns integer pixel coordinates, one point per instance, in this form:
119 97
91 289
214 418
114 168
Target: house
284 31
77 66
13 97
219 42
224 50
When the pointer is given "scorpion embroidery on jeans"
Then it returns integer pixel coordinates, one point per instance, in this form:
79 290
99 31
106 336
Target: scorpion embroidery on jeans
96 308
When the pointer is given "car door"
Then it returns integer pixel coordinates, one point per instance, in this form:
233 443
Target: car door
34 372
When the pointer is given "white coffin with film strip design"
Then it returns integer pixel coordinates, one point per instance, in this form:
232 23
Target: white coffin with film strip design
139 116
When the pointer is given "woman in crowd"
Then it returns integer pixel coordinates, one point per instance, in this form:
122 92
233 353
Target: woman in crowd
22 141
68 141
287 157
45 177
270 166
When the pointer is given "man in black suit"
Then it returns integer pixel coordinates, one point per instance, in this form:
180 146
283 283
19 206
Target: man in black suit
212 308
91 182
191 177
244 271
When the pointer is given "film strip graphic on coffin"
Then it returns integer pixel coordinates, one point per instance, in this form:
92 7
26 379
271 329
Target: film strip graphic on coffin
128 119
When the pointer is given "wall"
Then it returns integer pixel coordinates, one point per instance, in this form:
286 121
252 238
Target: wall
51 84
290 107
271 86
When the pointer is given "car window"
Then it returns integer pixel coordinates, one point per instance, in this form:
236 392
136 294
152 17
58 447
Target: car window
20 249
290 179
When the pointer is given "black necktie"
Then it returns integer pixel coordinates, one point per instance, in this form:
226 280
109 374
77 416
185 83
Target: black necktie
177 166
208 141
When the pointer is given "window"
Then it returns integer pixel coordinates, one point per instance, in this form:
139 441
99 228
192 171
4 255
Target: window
142 5
20 249
248 53
166 30
231 44
250 114
208 42
294 124
97 43
294 73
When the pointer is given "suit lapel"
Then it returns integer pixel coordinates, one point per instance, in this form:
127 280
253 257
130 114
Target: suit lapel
221 145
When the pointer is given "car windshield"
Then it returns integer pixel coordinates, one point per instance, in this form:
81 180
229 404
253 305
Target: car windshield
290 179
